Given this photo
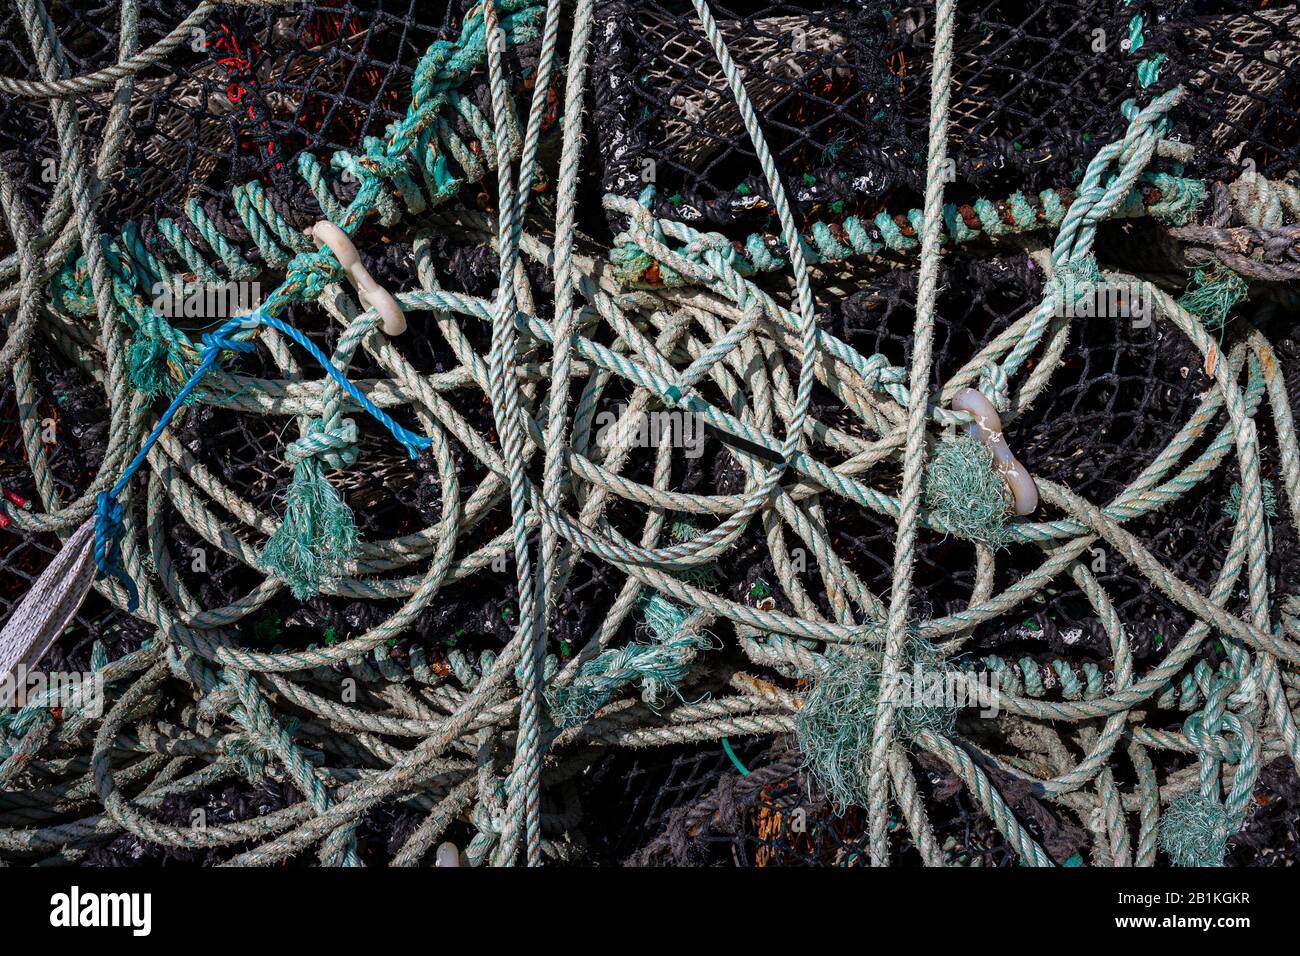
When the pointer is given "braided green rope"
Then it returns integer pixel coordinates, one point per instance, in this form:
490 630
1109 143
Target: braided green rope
1168 199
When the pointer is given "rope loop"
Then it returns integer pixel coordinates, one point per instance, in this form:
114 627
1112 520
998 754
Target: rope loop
110 526
335 447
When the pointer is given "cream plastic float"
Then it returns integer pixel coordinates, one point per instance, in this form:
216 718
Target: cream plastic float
372 295
987 427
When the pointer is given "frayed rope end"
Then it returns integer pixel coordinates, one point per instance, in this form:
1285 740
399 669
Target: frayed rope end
837 722
965 494
317 537
1212 293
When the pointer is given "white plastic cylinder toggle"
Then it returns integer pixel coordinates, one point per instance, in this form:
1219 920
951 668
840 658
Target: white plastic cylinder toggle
987 427
447 855
372 295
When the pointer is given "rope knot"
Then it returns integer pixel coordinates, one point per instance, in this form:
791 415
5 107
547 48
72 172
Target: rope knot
1180 199
995 387
1204 734
659 666
1291 615
161 358
316 270
704 243
252 756
110 526
378 162
1075 277
317 537
72 291
336 447
220 341
486 820
879 373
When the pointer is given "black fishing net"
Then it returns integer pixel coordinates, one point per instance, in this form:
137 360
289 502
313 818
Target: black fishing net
842 92
248 90
696 808
1093 430
831 108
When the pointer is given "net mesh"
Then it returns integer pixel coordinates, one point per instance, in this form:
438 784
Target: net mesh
842 91
249 89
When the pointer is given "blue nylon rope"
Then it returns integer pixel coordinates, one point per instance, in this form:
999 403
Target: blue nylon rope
108 510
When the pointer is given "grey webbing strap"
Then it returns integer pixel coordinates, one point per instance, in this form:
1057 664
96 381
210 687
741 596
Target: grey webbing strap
49 606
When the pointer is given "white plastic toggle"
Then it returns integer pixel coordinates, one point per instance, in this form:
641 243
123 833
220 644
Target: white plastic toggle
447 855
372 295
987 427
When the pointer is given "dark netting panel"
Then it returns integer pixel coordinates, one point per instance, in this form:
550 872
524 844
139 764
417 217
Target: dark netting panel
73 422
842 91
1240 63
829 102
247 91
701 811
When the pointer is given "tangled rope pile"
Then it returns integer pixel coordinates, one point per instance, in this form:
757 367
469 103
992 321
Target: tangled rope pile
678 319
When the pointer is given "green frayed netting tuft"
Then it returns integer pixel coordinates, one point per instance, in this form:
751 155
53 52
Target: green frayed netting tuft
837 724
964 493
1194 831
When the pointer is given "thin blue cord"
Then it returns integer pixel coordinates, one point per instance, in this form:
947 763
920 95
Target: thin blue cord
213 343
109 525
414 443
